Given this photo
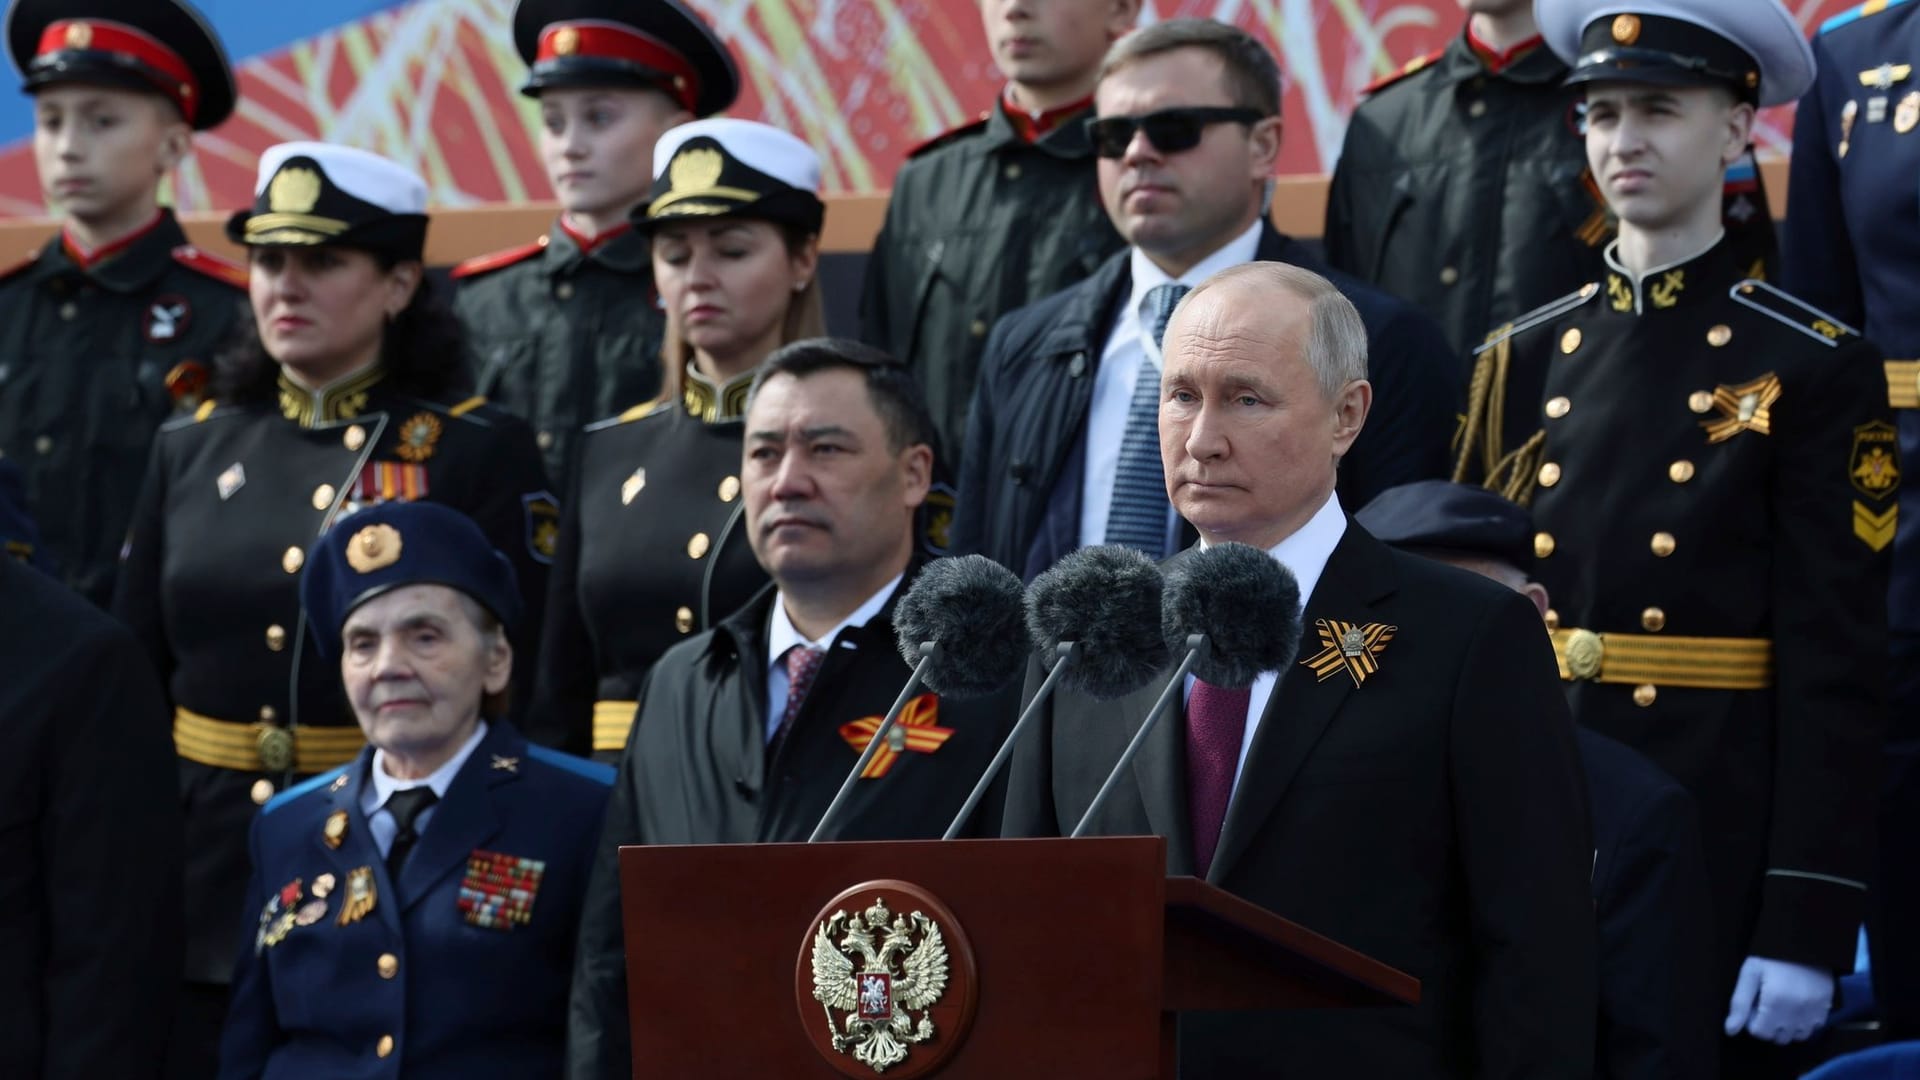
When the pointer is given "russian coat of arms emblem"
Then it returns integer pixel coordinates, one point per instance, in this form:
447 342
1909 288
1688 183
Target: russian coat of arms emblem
877 975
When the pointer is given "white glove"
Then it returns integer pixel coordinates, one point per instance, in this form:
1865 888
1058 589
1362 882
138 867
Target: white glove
1779 1002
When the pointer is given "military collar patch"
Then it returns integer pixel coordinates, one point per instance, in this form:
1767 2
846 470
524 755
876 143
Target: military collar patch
711 403
1746 407
1350 647
343 400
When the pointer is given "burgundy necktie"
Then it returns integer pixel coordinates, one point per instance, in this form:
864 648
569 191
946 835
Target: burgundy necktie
803 663
1216 721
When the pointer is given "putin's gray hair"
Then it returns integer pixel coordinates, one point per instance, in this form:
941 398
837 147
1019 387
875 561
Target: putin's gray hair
1336 343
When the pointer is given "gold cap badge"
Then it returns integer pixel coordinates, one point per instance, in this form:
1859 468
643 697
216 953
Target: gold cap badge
374 547
293 191
79 36
696 169
566 41
1626 29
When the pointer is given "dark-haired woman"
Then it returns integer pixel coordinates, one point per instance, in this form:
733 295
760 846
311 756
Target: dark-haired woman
343 396
653 548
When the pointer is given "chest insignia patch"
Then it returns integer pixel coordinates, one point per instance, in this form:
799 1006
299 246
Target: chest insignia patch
231 480
334 832
917 731
360 896
632 486
417 438
168 318
1874 467
1746 407
1350 647
499 890
278 917
543 525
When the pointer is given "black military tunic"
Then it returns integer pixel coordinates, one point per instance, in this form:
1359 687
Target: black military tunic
94 354
563 333
980 222
210 583
653 548
1709 458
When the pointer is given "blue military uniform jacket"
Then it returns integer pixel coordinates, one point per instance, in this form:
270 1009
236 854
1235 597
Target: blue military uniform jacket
458 969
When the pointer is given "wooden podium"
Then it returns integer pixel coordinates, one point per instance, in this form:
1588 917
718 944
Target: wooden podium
1063 957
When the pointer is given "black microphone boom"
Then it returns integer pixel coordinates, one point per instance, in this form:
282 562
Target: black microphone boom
960 627
1237 612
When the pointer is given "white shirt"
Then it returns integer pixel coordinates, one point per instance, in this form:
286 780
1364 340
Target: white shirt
782 635
1128 339
373 797
1305 553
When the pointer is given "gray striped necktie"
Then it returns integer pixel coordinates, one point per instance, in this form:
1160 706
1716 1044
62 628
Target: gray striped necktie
1137 517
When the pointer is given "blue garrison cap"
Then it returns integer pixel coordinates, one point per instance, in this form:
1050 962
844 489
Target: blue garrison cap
396 544
19 538
1437 515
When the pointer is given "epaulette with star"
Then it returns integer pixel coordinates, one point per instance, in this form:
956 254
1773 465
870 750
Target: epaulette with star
1418 63
1789 310
225 271
971 127
486 264
1543 314
1853 15
638 412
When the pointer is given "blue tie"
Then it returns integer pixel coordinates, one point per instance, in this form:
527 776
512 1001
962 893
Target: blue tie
1137 517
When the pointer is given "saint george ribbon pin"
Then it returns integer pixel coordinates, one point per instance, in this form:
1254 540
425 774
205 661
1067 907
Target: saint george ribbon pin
915 731
1349 647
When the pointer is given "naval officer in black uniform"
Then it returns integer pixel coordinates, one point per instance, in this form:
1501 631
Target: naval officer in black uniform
653 548
1712 474
347 397
110 327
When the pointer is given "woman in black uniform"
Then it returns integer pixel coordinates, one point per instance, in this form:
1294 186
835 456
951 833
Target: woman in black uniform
652 548
342 395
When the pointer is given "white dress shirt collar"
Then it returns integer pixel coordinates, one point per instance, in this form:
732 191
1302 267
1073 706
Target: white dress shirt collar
783 635
383 784
1147 276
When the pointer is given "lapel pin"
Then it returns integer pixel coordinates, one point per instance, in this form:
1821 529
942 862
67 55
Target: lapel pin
323 885
1350 647
230 481
360 895
506 764
334 832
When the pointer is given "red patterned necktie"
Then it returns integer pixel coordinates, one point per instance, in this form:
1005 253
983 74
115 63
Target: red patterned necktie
803 663
1216 722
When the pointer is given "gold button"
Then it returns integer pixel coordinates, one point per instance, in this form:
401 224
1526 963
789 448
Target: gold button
1662 545
43 444
1549 474
262 791
384 1048
1654 620
564 290
544 440
1680 471
276 637
1700 401
1012 171
388 965
1644 694
1719 335
1449 275
355 438
1477 109
698 545
979 328
323 496
1570 341
1746 290
1542 545
729 489
1552 619
267 714
293 560
683 620
1559 407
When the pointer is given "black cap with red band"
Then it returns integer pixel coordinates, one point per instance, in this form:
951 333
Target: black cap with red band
161 46
656 45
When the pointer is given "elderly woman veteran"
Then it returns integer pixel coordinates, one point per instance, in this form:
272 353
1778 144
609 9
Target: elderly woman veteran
343 395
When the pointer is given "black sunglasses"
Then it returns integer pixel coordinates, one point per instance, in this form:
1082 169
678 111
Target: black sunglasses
1169 130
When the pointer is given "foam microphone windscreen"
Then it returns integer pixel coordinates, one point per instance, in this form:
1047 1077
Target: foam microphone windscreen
972 607
1107 599
1246 603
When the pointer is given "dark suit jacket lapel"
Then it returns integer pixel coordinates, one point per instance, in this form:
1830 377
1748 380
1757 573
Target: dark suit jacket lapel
357 850
466 818
1357 577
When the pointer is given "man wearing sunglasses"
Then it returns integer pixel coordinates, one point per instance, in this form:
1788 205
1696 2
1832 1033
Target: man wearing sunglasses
1062 447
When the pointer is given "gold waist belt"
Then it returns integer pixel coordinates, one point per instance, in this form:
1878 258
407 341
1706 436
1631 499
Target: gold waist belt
612 720
261 747
1706 663
1903 384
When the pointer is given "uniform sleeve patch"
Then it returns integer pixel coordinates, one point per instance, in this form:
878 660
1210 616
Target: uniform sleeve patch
936 518
543 525
1875 530
1874 465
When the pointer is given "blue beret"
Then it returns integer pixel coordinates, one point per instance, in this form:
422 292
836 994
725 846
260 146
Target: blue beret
18 537
1460 518
396 544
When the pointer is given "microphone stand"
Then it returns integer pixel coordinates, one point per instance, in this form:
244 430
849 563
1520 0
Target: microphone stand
929 651
1064 654
1198 646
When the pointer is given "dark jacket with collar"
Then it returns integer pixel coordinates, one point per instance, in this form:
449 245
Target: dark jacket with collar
696 771
980 222
560 337
425 973
92 359
1431 816
1021 472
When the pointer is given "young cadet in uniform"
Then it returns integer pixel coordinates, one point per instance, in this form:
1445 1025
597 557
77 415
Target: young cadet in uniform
1701 452
348 396
1852 246
747 730
652 547
997 213
413 913
565 330
113 324
1463 184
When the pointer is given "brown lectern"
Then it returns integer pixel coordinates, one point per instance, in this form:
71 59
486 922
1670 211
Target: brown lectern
995 959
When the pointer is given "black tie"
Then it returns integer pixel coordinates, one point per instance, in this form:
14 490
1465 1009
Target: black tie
406 805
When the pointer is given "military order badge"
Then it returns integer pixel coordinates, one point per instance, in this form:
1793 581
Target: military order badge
894 979
417 438
499 890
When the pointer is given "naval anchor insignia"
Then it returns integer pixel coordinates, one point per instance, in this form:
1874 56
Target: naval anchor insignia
895 994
